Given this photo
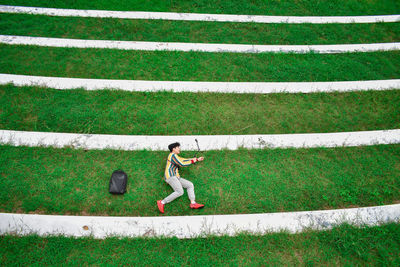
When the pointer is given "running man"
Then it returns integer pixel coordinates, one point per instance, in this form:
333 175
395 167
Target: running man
171 176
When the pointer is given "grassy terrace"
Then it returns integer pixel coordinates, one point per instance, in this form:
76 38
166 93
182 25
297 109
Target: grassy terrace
344 245
205 32
67 181
192 66
166 113
267 7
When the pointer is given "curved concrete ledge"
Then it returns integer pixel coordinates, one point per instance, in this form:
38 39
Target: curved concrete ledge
193 226
197 47
196 16
184 86
207 142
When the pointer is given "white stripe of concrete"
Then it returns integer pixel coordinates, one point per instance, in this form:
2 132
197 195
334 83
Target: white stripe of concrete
196 47
196 16
207 142
193 226
186 86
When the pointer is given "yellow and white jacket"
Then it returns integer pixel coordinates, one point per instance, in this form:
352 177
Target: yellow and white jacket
173 164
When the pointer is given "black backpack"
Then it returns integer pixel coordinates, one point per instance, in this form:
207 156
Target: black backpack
118 182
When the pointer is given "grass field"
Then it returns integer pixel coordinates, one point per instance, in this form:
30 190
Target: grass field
204 32
39 109
344 245
166 113
268 7
75 182
68 181
191 66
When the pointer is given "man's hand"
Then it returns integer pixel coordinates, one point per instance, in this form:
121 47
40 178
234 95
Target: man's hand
200 159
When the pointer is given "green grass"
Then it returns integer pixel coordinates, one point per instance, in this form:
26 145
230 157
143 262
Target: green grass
67 181
192 66
344 245
167 113
204 32
266 7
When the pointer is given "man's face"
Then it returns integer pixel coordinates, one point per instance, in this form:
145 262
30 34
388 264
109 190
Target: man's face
176 150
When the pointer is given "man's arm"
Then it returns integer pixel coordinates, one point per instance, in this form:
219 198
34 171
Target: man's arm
182 162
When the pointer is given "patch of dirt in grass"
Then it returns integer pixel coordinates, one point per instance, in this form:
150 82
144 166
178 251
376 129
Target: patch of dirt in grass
30 119
327 208
350 207
38 211
19 210
84 213
397 166
298 255
18 206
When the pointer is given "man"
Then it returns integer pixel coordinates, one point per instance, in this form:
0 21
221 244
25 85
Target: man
172 177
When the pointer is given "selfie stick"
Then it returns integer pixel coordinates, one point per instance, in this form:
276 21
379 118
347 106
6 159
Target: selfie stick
198 148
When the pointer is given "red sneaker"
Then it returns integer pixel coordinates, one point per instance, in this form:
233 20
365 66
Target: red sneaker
160 206
196 206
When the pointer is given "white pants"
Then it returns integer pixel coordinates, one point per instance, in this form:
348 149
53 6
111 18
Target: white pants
178 184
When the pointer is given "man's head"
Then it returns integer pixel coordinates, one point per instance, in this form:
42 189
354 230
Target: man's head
175 148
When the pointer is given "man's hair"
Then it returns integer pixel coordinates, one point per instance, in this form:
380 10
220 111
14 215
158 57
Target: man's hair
173 145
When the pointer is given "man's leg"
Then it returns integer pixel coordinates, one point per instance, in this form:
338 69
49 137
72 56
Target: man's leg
178 190
190 189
